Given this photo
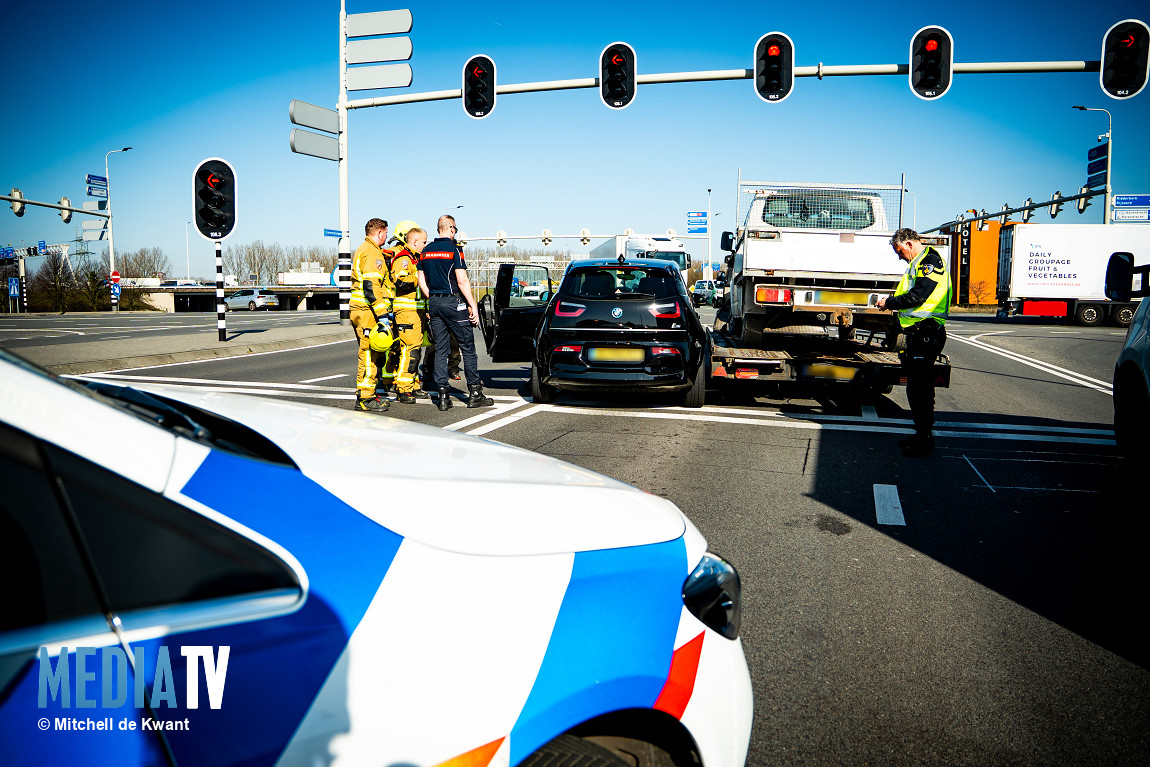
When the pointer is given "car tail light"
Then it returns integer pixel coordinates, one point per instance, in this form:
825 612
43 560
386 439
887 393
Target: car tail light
764 295
568 309
665 311
657 350
746 373
568 348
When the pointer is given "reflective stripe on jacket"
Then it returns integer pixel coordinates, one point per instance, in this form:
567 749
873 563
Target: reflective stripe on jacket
937 304
370 279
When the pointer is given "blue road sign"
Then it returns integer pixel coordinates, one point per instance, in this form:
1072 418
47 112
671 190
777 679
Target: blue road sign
1131 200
332 233
702 230
115 290
42 246
696 222
1098 166
96 180
97 191
13 287
1098 152
693 214
1097 180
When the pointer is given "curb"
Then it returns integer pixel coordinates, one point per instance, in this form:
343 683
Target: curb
192 355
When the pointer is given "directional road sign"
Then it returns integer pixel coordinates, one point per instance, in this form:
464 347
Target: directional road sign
1097 152
1130 214
97 191
96 180
13 287
332 233
694 214
1098 166
115 291
1097 180
702 230
306 142
311 116
43 247
1131 200
96 205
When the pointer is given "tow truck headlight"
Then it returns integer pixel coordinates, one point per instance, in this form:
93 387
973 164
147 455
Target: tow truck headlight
713 594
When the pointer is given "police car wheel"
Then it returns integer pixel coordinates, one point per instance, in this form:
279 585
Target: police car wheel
567 749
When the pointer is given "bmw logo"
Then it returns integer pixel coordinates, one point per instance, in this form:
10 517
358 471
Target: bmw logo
616 312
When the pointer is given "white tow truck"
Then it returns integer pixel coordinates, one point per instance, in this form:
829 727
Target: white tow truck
806 269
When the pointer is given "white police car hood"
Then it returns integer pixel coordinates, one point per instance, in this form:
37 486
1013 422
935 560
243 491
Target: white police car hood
450 490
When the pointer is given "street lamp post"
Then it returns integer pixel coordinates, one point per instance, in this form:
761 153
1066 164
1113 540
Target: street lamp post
707 274
1107 197
111 241
913 210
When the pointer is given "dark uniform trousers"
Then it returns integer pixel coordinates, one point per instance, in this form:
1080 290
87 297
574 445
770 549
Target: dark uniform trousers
448 321
924 342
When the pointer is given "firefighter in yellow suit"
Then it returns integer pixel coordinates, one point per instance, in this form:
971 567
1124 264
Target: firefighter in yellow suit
410 310
370 304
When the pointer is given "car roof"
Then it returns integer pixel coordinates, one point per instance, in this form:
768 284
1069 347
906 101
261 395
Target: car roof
647 263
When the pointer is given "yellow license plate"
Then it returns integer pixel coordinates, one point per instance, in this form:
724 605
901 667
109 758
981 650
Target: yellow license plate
843 299
838 372
616 354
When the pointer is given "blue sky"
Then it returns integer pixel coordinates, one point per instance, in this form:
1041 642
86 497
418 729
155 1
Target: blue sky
178 86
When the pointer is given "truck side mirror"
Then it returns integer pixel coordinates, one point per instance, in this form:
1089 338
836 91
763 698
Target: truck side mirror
1119 276
688 260
727 241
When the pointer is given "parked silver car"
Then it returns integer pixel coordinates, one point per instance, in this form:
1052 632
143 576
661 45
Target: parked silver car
252 298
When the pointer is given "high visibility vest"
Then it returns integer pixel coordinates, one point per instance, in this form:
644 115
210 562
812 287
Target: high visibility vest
937 304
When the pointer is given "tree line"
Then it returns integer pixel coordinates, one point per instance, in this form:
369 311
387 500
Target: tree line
79 282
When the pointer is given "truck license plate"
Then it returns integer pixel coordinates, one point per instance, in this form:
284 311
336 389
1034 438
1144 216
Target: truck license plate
616 354
837 298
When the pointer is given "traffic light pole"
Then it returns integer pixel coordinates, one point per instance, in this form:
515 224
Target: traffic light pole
343 265
221 323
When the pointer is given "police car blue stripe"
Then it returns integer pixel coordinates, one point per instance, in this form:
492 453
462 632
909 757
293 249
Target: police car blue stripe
612 642
278 666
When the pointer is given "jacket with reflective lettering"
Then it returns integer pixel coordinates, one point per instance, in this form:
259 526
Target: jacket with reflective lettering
924 291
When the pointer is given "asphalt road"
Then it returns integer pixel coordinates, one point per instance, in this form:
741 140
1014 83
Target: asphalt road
977 607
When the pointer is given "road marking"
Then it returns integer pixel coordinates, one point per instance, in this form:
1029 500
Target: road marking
979 473
887 508
509 419
206 381
869 413
325 378
1069 375
238 356
990 333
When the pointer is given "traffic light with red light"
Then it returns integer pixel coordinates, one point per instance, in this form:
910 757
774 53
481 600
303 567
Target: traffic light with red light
617 75
215 198
479 87
774 67
1125 64
931 61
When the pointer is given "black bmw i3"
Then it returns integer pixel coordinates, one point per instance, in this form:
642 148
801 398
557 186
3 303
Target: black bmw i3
612 325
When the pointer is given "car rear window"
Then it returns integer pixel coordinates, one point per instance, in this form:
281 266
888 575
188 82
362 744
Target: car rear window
818 211
618 282
266 293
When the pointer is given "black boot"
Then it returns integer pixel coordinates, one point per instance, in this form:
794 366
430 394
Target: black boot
919 447
476 397
444 402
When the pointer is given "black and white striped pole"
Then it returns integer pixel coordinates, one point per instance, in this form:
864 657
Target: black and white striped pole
221 323
214 209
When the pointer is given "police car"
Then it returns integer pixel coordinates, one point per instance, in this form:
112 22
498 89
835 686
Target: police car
203 578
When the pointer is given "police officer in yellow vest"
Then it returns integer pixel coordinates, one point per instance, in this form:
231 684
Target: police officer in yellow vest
922 302
370 304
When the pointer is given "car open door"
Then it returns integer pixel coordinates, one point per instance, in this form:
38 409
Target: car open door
508 318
